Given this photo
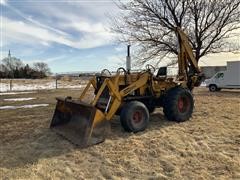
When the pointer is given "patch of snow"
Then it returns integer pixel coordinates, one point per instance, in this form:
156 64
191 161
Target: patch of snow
19 99
13 93
24 87
4 87
34 86
203 84
24 106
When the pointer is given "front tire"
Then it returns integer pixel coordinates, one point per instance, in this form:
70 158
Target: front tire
134 117
178 104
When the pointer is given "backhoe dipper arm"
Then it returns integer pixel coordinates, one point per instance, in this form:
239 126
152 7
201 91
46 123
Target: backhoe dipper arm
187 64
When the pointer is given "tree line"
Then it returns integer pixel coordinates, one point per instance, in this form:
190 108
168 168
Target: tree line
12 67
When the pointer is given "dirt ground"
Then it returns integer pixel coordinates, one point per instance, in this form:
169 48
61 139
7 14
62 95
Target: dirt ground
205 147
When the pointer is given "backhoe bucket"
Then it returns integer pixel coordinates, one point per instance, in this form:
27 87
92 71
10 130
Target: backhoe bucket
79 122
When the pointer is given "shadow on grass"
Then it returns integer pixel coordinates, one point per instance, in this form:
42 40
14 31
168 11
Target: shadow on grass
223 92
157 121
29 149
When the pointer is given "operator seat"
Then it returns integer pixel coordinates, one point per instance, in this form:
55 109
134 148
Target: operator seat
161 74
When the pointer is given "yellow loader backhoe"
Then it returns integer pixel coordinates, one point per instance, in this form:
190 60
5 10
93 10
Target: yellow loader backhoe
132 95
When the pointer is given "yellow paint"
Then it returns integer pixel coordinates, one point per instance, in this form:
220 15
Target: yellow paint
99 117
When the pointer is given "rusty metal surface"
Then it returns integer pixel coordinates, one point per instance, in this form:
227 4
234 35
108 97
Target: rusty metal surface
73 120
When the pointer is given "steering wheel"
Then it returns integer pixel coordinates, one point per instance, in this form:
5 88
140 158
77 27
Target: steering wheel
121 68
150 68
106 72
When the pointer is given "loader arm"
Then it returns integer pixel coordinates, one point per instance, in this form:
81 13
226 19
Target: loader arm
126 91
116 96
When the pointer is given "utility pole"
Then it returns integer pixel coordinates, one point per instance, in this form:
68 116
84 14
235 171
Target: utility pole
9 60
9 54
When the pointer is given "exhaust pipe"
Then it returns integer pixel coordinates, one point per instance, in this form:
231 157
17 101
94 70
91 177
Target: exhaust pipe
128 59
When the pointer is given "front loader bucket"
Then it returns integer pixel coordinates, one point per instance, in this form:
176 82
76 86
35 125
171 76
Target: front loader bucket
80 123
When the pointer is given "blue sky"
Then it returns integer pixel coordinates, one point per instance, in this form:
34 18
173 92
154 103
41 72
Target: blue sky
68 35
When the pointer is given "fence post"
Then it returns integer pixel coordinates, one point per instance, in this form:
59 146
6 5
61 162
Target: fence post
11 85
56 82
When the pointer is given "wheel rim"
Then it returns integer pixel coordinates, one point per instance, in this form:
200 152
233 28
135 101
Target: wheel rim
137 117
183 104
213 88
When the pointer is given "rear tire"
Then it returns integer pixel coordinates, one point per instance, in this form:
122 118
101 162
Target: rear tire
134 117
178 104
213 88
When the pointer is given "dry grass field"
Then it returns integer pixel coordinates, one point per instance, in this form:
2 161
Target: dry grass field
205 147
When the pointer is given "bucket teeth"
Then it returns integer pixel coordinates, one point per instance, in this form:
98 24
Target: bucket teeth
78 122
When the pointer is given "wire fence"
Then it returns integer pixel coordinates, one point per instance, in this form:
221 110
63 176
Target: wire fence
41 84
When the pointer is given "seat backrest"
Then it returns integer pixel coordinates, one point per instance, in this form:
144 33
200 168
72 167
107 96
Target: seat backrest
162 72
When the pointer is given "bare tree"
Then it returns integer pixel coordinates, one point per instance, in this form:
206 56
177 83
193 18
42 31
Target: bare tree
10 64
42 68
150 24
